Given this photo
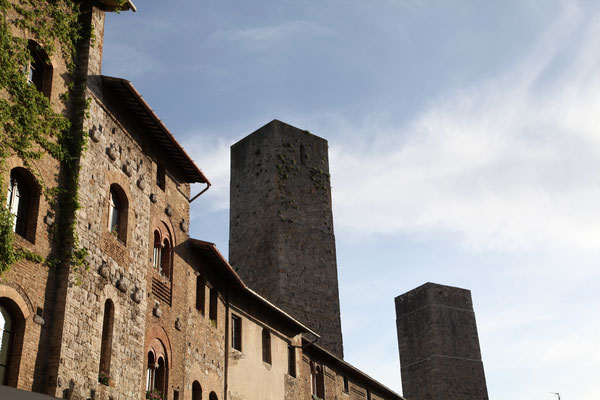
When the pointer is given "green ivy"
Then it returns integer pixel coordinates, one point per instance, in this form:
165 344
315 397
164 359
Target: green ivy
31 129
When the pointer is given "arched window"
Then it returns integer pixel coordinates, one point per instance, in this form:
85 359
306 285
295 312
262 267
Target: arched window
150 372
39 69
212 396
22 201
196 391
165 259
12 325
160 376
317 383
7 326
156 259
266 346
107 333
157 373
162 254
117 212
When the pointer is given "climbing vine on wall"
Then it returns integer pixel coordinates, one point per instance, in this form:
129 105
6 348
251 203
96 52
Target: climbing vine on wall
29 126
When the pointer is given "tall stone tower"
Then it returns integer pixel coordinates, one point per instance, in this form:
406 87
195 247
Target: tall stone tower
439 346
281 237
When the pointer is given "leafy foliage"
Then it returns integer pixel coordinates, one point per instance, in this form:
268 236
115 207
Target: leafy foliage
29 127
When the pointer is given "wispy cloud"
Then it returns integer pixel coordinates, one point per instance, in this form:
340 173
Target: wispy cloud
506 163
270 34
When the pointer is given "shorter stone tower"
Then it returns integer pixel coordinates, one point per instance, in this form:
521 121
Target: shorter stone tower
439 345
281 226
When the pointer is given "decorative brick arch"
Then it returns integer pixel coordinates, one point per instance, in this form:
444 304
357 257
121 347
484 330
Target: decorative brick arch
158 222
157 332
23 303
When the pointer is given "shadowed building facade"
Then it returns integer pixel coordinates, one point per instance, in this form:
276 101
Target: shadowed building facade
439 345
281 225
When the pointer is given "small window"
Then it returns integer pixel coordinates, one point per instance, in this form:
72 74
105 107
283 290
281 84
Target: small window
117 213
317 383
368 394
196 391
150 369
39 69
346 386
7 330
165 259
213 305
17 202
106 344
212 396
291 361
156 257
160 176
160 376
266 346
236 332
175 394
200 293
22 201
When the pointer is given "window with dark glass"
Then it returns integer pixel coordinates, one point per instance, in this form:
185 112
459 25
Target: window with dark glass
266 346
291 361
160 376
236 332
196 391
346 386
200 293
165 259
117 212
213 305
107 335
160 176
39 69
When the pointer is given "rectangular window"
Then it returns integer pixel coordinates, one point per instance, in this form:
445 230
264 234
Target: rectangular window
291 361
236 332
160 176
368 394
346 386
266 346
175 394
212 312
200 294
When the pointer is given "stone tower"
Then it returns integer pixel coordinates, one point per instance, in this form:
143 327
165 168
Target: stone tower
439 346
281 237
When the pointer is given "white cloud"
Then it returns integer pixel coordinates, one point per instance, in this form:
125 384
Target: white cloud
270 34
212 156
508 163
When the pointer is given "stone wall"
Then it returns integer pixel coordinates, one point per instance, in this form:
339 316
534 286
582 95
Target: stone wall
31 286
439 346
281 226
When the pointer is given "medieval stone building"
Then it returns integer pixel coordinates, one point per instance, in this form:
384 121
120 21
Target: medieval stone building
157 312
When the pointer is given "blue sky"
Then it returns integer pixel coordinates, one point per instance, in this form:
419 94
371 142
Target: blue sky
464 149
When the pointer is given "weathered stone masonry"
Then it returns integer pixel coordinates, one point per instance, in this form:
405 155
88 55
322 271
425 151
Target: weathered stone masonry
281 237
